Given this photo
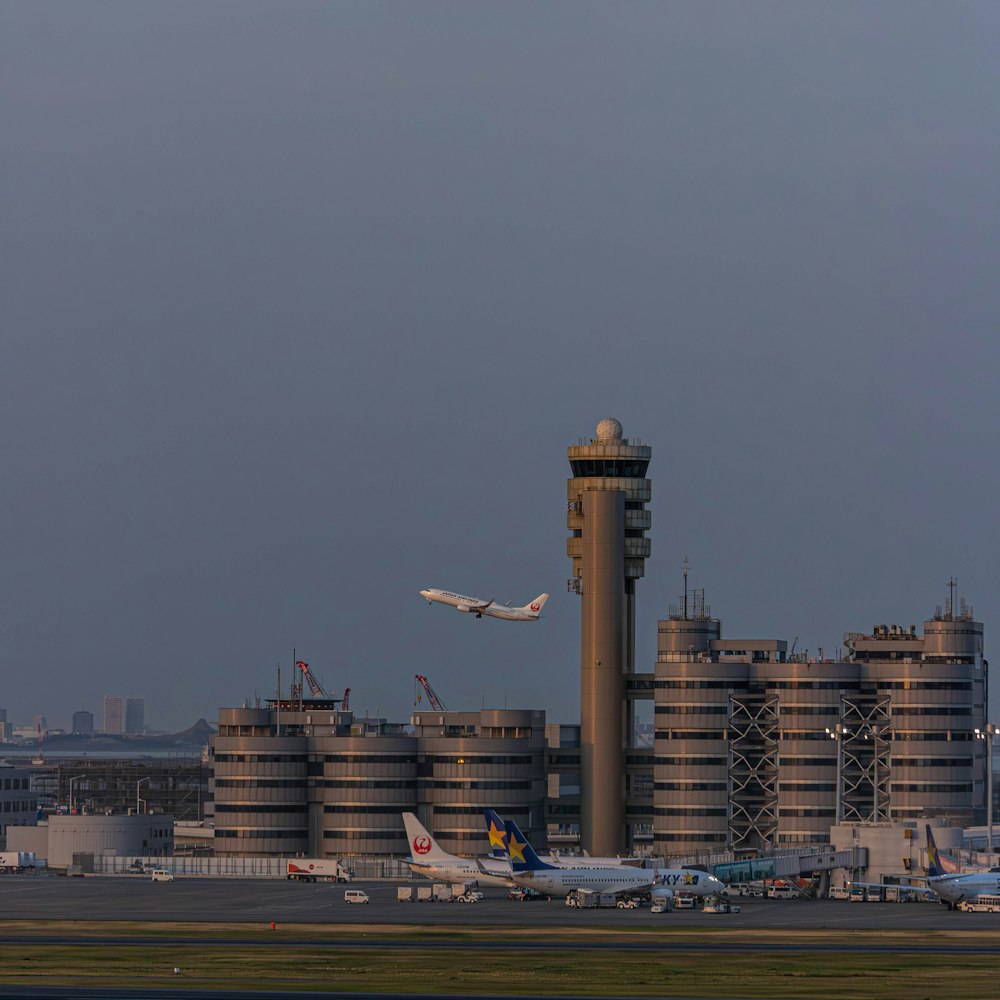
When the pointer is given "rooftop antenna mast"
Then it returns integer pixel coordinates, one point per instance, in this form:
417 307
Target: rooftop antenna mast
952 590
686 566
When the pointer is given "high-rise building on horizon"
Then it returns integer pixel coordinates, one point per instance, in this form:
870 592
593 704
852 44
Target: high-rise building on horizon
135 716
83 723
114 714
608 520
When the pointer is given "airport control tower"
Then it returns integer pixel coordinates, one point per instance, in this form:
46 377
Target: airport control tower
608 521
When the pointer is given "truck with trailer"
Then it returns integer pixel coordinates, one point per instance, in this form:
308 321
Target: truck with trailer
317 869
16 862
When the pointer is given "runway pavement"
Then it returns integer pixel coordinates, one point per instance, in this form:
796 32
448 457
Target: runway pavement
263 901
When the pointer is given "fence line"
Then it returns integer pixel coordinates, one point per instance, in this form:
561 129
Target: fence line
237 867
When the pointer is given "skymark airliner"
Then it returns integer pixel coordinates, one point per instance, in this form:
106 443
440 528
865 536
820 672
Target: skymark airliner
474 606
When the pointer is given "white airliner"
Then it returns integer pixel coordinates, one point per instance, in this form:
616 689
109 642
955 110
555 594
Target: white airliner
473 605
427 858
945 881
951 889
529 870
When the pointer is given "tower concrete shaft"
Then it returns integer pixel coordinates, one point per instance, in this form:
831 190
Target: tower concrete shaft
607 517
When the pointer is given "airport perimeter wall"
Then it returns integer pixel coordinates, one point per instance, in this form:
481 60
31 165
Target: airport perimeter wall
234 867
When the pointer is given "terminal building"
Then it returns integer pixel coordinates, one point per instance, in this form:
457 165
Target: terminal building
757 749
300 776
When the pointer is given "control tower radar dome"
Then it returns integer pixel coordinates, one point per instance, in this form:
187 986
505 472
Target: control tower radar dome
609 431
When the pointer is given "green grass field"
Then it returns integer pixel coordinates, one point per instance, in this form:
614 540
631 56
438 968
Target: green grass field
244 966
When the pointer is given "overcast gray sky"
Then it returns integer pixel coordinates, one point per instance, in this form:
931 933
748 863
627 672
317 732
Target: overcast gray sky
302 304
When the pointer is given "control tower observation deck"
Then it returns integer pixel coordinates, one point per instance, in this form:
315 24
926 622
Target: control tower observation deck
608 521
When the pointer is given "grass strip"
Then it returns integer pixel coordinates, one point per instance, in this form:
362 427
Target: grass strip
244 968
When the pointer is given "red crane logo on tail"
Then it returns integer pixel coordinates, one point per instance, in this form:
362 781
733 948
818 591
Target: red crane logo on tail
421 844
534 607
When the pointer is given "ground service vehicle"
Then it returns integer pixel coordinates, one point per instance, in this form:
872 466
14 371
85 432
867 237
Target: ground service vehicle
717 905
19 861
587 899
632 903
313 869
405 894
525 895
684 901
984 903
355 896
162 875
661 900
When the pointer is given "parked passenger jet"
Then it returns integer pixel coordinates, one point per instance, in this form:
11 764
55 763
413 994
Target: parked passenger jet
497 832
473 605
944 879
430 860
951 889
529 870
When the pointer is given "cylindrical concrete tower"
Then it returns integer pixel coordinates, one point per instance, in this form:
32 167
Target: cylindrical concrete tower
607 518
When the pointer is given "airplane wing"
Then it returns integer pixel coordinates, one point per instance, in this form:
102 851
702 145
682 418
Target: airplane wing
482 606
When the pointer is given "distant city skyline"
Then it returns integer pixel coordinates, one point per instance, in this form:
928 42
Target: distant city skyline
306 327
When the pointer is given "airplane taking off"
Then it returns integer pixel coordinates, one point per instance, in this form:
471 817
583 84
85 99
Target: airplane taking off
529 870
473 605
431 861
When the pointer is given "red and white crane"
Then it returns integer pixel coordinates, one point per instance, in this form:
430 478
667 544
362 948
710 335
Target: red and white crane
436 703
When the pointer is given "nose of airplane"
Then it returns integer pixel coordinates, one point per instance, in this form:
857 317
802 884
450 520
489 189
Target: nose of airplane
425 594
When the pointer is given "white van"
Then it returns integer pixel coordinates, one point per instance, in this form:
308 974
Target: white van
162 875
355 896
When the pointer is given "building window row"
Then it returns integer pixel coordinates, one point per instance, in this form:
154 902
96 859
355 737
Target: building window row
364 758
363 782
805 811
469 811
932 762
688 838
808 761
463 783
258 834
681 811
692 709
395 810
691 761
363 835
808 786
691 734
932 735
260 783
261 807
690 786
661 685
261 758
898 710
475 758
932 786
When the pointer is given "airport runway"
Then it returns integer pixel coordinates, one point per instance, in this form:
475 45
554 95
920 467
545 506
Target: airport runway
263 901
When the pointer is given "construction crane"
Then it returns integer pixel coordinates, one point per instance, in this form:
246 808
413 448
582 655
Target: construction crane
436 703
314 685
